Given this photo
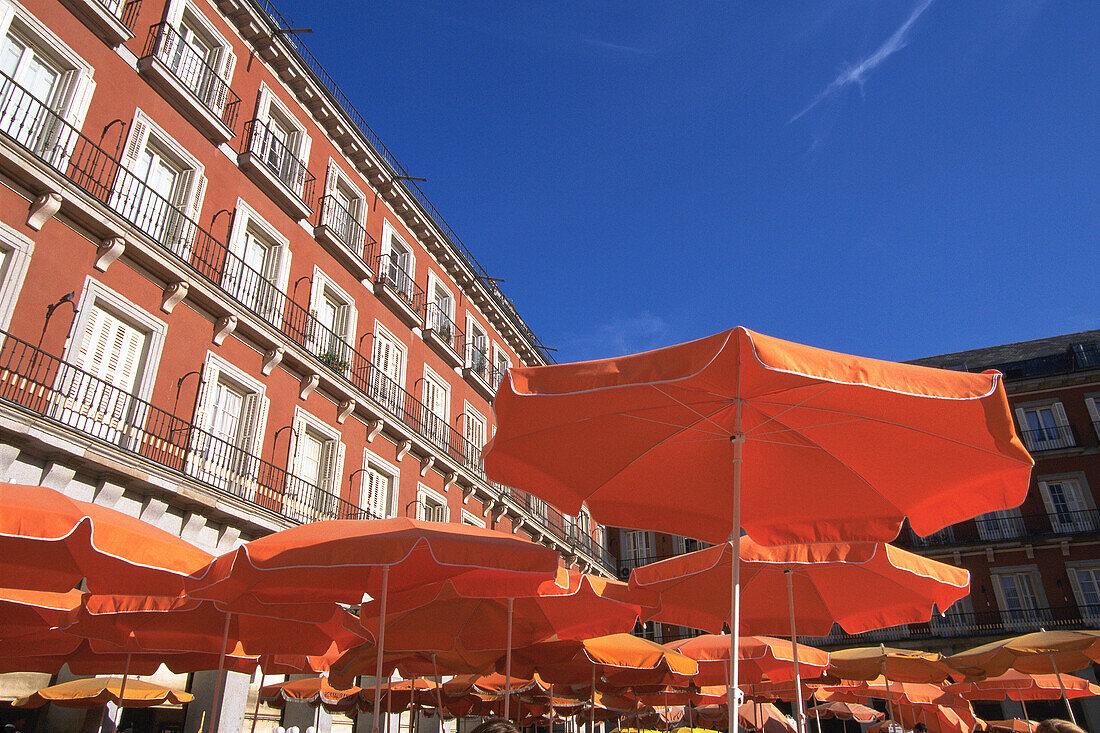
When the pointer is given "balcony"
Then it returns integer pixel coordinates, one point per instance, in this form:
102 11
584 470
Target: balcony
397 289
341 234
111 20
36 144
39 383
479 370
443 335
983 530
276 169
189 83
1057 437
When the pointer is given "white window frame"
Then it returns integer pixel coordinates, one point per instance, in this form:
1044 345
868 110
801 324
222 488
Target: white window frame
265 100
304 420
422 493
1002 524
1037 585
472 519
244 216
430 375
1061 423
471 413
335 177
472 326
1089 615
435 281
226 60
80 86
321 281
385 468
499 351
631 558
389 233
1092 402
96 292
246 382
402 349
19 249
1084 523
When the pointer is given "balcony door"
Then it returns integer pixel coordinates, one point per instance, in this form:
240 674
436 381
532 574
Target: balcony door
1086 582
436 399
1067 506
637 547
386 376
26 116
440 315
1045 427
1000 525
250 276
1020 601
193 60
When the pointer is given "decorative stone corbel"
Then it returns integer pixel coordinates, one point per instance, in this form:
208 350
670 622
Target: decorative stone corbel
497 510
343 410
403 449
1029 550
1065 548
307 384
989 554
42 209
222 328
272 357
426 464
173 294
449 480
374 427
108 251
518 524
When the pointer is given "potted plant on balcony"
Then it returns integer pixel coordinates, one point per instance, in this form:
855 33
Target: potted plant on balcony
333 361
444 330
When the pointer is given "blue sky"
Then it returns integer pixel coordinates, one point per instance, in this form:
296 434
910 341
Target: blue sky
893 178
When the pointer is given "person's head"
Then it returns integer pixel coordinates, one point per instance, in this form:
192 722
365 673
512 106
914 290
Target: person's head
495 725
1056 725
920 728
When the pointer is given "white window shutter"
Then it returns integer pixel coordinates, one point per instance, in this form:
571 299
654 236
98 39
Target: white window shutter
136 142
338 469
83 89
303 157
248 421
261 425
328 466
226 64
332 177
198 193
229 63
93 333
263 104
204 405
351 320
1060 414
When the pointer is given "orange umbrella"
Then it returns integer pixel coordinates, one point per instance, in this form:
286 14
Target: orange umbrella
901 665
311 691
1023 687
761 658
49 653
50 542
846 711
1040 652
958 718
816 581
1010 726
98 691
800 444
898 692
763 716
25 612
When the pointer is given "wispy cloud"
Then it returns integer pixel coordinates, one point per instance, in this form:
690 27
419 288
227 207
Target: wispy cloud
858 74
619 336
615 46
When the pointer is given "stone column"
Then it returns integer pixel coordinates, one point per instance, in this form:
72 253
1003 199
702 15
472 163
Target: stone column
232 709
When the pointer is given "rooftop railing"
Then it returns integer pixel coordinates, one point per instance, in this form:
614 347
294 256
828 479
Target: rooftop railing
194 72
61 392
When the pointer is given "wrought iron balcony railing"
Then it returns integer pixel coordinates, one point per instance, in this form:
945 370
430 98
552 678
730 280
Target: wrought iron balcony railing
345 226
61 392
441 324
193 72
392 274
478 361
271 149
1052 438
32 126
995 529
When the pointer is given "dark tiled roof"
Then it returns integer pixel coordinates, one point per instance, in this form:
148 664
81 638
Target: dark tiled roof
1054 354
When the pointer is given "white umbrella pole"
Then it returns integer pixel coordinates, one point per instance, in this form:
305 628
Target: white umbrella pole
794 655
592 709
122 688
256 710
508 664
551 708
438 694
738 440
817 713
218 689
1062 687
1027 718
375 719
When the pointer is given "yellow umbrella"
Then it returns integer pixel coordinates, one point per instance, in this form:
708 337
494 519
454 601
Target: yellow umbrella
899 665
98 691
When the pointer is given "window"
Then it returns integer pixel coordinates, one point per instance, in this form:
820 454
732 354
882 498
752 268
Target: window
501 366
162 187
256 267
397 267
230 417
197 55
959 619
431 506
280 142
1068 505
344 209
437 400
377 492
1000 525
317 459
1045 427
1093 403
1019 596
388 373
1085 580
44 84
685 545
477 349
115 348
15 257
475 436
441 310
335 316
472 520
637 547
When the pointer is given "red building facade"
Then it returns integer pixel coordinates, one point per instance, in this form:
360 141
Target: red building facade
224 307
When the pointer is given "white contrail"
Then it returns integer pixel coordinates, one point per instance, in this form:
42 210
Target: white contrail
857 74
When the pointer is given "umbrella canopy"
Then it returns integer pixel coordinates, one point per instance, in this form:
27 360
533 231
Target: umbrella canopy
1041 652
619 659
98 691
25 612
491 684
1021 686
401 695
310 690
957 718
901 665
180 624
894 587
50 542
762 658
341 560
440 618
908 692
50 651
771 719
834 426
1010 726
677 696
846 711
